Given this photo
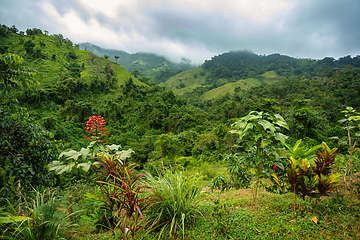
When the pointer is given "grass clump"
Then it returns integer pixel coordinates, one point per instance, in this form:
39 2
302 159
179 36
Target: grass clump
180 201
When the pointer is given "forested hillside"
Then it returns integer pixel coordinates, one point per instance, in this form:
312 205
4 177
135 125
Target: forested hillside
243 69
155 67
238 121
75 84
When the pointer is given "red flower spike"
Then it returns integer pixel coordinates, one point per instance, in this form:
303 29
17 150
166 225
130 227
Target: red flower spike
94 126
275 167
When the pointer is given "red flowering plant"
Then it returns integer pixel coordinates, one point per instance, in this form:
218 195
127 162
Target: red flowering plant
95 127
123 191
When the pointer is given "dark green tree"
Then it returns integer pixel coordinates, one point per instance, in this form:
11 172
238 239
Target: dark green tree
25 148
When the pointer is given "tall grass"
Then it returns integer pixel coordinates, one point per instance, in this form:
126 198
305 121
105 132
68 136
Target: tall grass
180 201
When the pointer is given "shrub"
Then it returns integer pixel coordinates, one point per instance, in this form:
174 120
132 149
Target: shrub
313 178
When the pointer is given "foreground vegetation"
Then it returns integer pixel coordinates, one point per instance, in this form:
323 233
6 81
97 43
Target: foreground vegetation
225 215
91 151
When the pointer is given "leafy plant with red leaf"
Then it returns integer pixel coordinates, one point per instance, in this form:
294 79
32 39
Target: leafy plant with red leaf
312 176
124 194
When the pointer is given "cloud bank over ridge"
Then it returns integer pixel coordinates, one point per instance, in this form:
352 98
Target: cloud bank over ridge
199 29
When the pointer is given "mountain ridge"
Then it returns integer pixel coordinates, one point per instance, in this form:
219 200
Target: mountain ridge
151 65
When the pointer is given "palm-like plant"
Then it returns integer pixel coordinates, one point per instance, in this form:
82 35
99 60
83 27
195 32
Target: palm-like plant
44 219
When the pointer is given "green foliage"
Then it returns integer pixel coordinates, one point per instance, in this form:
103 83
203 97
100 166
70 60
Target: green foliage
259 134
6 217
180 201
123 196
73 159
312 177
220 183
44 219
220 214
240 170
351 117
26 149
13 72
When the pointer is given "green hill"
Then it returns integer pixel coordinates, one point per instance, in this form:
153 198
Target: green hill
153 66
185 83
75 84
240 70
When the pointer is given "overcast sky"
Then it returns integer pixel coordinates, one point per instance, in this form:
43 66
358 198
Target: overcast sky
198 29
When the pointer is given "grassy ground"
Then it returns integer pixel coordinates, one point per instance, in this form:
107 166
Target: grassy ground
275 218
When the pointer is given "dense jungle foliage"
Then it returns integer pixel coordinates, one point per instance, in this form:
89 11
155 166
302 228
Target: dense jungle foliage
236 120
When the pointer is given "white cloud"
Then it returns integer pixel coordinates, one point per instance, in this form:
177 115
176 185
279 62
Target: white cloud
197 29
257 10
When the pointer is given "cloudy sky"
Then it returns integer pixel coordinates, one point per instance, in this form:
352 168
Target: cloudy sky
198 29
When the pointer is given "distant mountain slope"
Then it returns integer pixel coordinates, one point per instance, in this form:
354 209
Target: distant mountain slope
153 66
242 70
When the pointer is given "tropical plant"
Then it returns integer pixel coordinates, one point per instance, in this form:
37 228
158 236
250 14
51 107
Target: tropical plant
179 203
221 183
239 170
259 133
125 194
351 116
85 158
312 176
13 72
25 150
43 218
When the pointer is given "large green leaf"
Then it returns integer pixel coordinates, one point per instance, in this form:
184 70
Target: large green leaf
85 166
72 154
113 147
267 125
122 155
12 219
60 167
281 137
280 121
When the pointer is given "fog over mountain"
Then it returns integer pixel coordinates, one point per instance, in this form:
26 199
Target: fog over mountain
198 30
